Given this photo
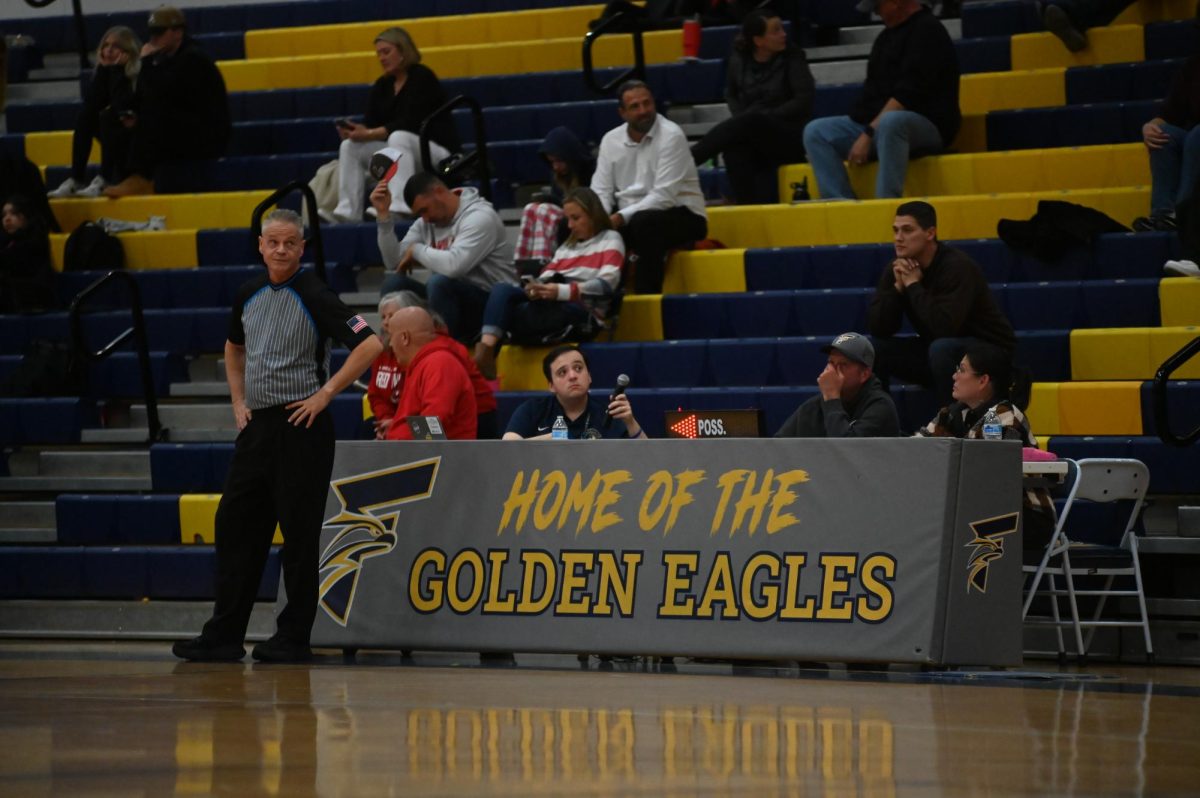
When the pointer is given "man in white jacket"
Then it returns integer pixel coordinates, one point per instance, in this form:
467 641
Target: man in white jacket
458 236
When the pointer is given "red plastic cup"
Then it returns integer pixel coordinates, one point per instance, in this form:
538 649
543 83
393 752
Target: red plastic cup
691 39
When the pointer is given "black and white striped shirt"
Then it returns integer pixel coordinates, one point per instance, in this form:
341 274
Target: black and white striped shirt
286 329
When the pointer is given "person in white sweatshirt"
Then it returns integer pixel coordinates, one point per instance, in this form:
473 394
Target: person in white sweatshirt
458 236
579 282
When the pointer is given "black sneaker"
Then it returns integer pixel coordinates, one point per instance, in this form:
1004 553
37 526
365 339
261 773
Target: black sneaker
278 649
1058 23
1159 223
200 650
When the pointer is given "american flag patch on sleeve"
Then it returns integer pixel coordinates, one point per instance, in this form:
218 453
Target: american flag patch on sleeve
357 324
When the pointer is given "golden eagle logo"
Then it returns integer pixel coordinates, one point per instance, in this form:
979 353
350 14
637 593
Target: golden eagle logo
989 547
370 508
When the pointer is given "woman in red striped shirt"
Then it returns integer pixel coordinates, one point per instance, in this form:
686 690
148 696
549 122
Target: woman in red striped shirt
578 283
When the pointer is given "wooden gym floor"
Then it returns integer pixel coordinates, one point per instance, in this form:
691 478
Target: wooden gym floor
116 719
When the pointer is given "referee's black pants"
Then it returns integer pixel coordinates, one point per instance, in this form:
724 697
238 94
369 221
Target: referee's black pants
280 474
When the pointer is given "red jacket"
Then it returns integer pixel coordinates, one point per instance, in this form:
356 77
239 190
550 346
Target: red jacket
436 384
485 400
383 393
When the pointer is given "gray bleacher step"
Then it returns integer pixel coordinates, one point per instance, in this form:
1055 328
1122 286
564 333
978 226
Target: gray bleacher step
206 368
200 389
1189 522
859 34
115 435
34 536
74 484
52 73
43 92
361 299
200 435
370 280
27 515
89 464
832 73
146 620
180 417
838 52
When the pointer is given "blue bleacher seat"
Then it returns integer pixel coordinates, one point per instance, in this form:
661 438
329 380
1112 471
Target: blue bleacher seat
85 519
800 360
831 311
742 362
1183 405
115 572
669 363
1046 353
777 403
1132 255
46 420
185 468
1041 306
984 54
1003 18
762 313
1120 303
38 572
606 361
694 316
1175 39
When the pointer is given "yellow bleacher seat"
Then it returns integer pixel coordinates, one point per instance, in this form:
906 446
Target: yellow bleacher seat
1116 44
182 211
1099 408
706 272
641 319
1043 409
995 91
1147 11
160 249
870 221
1179 301
426 32
197 516
1128 353
360 65
1051 169
519 368
54 148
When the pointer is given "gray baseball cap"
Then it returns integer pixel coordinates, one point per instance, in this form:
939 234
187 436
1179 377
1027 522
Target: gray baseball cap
854 346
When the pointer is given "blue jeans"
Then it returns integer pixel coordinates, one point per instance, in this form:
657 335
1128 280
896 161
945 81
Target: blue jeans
1174 169
1086 14
459 303
508 311
921 361
828 141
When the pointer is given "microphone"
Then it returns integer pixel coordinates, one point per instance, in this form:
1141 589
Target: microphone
622 384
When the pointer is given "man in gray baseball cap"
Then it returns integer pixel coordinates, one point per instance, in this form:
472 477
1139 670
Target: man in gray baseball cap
852 403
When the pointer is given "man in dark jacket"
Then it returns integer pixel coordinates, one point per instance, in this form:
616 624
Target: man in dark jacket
182 107
852 402
908 103
945 297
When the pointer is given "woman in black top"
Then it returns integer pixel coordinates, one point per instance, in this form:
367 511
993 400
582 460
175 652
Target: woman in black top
107 100
399 102
26 278
769 89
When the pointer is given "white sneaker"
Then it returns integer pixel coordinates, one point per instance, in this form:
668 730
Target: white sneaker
94 189
1183 268
68 189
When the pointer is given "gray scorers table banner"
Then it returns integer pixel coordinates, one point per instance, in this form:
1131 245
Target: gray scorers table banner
891 550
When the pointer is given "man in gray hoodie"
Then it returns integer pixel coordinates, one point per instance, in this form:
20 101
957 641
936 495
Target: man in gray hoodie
458 236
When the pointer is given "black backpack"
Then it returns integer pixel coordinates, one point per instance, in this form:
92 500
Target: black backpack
90 248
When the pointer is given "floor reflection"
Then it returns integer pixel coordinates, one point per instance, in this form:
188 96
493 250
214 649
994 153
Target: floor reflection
78 725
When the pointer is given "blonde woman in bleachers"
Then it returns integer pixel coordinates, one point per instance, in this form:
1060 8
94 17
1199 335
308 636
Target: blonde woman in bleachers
406 93
108 98
580 281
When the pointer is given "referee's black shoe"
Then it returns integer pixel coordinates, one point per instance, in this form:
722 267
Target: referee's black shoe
278 649
200 650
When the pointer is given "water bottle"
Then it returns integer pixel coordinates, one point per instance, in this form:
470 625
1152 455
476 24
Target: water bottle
559 431
993 430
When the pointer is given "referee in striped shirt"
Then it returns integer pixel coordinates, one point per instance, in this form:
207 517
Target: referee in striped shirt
277 363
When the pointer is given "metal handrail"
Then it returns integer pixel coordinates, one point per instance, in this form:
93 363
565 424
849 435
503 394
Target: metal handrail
137 331
638 70
80 29
477 157
1161 412
314 220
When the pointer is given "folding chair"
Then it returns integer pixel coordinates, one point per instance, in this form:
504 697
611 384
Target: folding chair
1106 553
